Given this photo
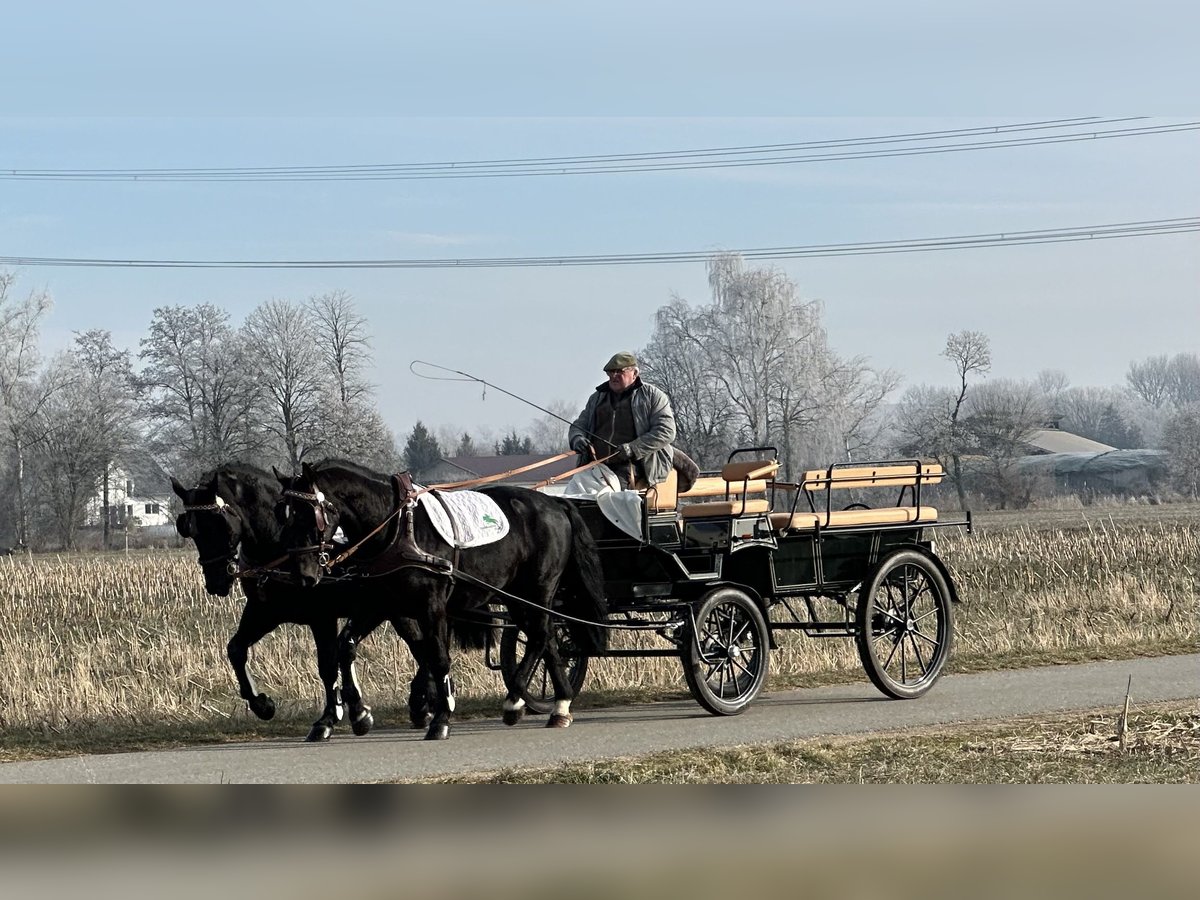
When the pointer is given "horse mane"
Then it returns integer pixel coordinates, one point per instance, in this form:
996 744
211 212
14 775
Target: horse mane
256 492
353 467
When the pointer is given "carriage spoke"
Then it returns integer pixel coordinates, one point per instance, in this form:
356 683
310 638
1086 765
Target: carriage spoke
740 665
924 616
917 652
895 645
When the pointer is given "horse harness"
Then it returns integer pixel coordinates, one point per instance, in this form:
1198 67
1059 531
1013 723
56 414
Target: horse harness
401 536
232 565
230 557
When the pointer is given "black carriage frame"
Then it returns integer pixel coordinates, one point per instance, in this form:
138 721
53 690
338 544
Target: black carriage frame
811 579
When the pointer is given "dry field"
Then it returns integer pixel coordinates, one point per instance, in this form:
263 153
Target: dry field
98 646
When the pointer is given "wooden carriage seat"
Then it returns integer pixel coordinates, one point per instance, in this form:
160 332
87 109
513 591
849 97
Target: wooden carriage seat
817 481
662 497
736 482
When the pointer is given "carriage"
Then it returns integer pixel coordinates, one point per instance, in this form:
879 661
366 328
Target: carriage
714 574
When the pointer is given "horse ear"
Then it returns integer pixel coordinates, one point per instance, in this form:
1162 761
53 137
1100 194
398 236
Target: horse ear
308 472
280 477
178 488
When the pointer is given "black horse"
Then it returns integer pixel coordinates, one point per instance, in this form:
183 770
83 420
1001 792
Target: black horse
232 515
547 558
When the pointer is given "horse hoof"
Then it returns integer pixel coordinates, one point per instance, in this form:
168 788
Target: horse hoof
319 733
263 707
363 724
420 720
438 733
513 716
558 720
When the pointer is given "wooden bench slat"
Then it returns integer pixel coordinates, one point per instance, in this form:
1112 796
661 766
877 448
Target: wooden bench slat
751 468
887 515
724 508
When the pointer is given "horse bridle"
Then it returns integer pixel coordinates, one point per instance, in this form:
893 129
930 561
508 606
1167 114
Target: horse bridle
402 537
325 537
230 557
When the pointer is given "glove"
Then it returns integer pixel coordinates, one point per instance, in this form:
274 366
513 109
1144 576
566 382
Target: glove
623 454
579 444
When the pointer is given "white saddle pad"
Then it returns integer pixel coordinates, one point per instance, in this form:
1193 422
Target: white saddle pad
477 518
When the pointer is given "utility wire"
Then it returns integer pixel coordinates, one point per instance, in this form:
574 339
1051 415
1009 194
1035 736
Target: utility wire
873 147
1149 228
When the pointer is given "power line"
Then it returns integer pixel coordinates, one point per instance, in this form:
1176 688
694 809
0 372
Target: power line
1149 228
871 147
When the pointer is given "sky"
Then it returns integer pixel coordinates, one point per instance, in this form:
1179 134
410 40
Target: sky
145 85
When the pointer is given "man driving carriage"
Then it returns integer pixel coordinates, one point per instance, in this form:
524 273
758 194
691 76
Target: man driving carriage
633 421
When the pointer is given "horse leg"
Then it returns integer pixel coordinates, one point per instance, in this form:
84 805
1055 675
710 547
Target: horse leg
535 645
258 619
564 691
419 690
361 720
543 646
435 657
324 631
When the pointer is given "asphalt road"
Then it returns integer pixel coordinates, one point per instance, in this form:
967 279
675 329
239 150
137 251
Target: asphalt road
487 745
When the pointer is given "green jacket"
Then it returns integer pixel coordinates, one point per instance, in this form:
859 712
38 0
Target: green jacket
653 419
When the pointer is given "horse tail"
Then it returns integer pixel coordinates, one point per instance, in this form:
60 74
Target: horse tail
469 629
584 583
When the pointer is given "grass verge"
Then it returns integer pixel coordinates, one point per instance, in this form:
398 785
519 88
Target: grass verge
1157 744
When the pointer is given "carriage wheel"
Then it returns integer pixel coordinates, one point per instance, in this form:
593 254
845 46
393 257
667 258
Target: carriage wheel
725 663
905 625
538 692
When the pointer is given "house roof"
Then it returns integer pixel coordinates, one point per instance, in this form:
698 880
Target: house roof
149 478
1054 440
483 466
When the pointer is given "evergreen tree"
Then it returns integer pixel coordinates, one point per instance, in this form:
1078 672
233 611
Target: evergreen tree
421 451
512 445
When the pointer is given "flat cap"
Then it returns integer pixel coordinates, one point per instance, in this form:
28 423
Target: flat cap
621 360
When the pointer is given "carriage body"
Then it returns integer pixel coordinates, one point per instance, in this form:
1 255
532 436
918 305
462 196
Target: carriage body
723 568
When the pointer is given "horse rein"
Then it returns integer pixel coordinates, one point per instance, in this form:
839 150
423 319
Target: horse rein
406 501
232 567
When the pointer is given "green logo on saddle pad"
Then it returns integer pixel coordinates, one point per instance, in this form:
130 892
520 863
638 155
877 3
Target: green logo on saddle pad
491 520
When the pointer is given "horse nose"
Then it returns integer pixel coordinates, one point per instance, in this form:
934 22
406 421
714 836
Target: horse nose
308 580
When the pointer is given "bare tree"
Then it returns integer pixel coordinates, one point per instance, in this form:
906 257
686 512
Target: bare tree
1100 414
199 388
70 459
1000 418
22 395
970 353
106 380
1181 439
1053 385
285 359
754 367
676 361
548 433
851 425
1184 379
922 426
344 344
1151 380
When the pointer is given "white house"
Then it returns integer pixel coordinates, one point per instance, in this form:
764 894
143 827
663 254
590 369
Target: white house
139 493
